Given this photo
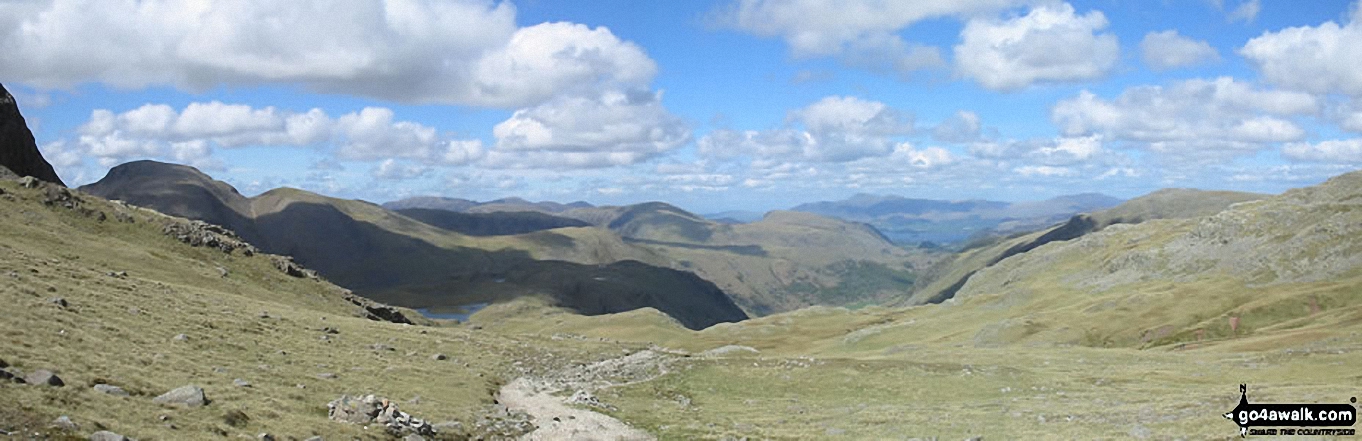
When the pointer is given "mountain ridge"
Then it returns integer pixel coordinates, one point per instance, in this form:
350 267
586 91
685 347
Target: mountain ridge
384 255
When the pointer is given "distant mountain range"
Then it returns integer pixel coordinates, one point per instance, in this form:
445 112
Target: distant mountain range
912 221
776 262
385 255
589 259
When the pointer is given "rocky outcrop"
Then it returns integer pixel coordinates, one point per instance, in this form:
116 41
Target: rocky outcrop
377 311
203 234
370 409
18 150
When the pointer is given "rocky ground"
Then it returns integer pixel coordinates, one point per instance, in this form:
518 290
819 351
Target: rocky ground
562 404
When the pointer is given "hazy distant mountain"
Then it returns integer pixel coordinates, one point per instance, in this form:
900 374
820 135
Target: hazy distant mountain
911 221
431 203
500 223
390 257
734 216
468 206
18 150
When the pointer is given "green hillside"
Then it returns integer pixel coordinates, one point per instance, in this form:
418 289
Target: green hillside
947 277
127 289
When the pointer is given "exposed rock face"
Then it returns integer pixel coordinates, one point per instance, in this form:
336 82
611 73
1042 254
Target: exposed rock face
18 151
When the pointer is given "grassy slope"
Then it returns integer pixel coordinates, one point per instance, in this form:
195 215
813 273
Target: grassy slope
55 252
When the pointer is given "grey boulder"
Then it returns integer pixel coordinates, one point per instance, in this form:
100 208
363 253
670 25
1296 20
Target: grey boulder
44 376
188 396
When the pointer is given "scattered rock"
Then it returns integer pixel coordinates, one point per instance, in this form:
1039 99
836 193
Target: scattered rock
222 272
64 423
118 274
188 396
265 437
381 347
3 364
111 390
44 376
326 376
347 409
585 398
372 409
60 196
28 182
330 330
58 301
315 438
105 435
439 357
264 314
180 337
241 383
11 376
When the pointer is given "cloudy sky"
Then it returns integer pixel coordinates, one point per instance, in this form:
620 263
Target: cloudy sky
728 104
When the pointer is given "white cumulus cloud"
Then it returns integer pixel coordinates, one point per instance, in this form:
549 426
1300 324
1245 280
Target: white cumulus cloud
615 128
458 52
189 135
1348 151
833 129
1189 117
1051 43
1168 50
1318 59
861 33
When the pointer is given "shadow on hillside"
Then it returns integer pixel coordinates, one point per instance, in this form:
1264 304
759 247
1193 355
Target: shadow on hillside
409 272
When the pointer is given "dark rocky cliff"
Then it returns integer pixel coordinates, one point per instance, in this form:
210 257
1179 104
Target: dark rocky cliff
18 151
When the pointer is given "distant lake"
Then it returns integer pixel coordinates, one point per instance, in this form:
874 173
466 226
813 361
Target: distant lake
460 313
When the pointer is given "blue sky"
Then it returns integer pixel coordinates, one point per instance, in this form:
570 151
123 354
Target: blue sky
732 104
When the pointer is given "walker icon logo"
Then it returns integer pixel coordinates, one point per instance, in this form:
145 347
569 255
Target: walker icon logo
1283 418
